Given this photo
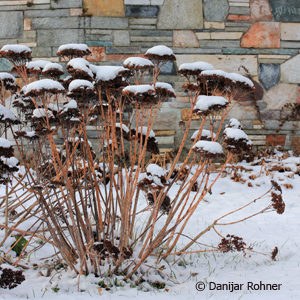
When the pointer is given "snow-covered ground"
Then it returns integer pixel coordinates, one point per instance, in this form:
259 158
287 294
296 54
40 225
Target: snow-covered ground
263 232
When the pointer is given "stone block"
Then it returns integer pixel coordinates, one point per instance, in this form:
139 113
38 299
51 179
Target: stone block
260 10
219 44
215 10
57 37
181 14
122 50
99 43
27 24
66 3
214 25
185 38
280 95
141 11
104 8
151 33
226 35
109 23
41 52
142 21
55 22
5 65
40 13
228 63
238 17
98 54
285 10
137 2
262 35
76 11
237 10
270 115
11 24
121 38
157 2
168 69
162 39
289 44
269 75
290 70
203 35
296 144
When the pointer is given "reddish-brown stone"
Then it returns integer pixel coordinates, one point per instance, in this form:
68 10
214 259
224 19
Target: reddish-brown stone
260 10
298 97
238 18
296 144
185 115
275 140
98 54
185 38
262 35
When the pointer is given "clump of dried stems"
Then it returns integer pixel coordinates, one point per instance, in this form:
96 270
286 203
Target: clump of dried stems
84 198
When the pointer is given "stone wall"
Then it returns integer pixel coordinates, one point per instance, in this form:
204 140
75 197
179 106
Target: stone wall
260 38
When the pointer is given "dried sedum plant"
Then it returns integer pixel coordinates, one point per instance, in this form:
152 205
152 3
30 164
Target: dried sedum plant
84 198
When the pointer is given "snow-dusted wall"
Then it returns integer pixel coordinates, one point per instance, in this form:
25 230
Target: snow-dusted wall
261 37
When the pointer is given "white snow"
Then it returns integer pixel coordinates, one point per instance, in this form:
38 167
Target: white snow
72 104
42 113
204 103
155 170
144 129
15 48
235 133
6 76
239 78
214 73
10 161
7 114
164 85
80 64
53 107
51 66
132 62
31 133
81 47
107 73
234 123
80 83
43 84
4 143
37 65
139 89
195 66
160 50
208 146
124 127
205 133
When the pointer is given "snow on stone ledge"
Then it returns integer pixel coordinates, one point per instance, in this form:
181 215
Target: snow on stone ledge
195 66
81 47
208 146
4 143
43 84
4 76
204 103
160 50
139 89
132 62
235 133
80 83
16 48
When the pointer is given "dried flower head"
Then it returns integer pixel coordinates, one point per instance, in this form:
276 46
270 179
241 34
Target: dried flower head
160 53
6 148
36 66
276 200
142 94
194 69
208 149
79 68
10 279
205 135
164 91
41 87
274 253
236 140
165 205
73 50
7 81
206 105
138 64
81 90
7 117
17 54
232 243
53 70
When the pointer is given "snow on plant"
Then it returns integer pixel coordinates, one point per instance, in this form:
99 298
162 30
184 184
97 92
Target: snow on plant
86 196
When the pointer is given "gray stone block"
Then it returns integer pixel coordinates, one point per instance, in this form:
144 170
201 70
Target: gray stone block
168 69
238 10
151 33
272 124
142 11
11 24
217 44
66 3
39 13
5 65
42 52
55 23
259 51
59 37
215 10
270 115
109 23
181 14
121 38
286 10
269 75
197 51
122 50
96 37
285 44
